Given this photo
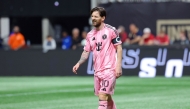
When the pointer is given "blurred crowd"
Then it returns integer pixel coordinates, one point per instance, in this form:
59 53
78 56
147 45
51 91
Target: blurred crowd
17 40
77 38
146 38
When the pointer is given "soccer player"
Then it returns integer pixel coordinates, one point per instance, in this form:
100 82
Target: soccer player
105 44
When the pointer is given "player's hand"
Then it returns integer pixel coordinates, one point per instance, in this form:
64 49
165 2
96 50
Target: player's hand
75 68
118 71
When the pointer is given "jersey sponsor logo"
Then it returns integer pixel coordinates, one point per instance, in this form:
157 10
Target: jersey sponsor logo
98 46
104 36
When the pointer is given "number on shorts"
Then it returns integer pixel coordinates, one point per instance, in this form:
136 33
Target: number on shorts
105 83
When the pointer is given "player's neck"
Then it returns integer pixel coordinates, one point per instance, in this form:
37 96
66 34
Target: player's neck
100 27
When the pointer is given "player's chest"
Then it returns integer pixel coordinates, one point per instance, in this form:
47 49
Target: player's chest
100 40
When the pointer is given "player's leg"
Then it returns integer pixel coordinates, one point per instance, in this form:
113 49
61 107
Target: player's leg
111 103
106 101
96 85
103 100
106 90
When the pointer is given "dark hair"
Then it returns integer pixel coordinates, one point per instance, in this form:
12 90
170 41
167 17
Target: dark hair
101 11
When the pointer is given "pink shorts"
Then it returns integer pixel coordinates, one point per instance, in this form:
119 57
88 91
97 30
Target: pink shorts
104 85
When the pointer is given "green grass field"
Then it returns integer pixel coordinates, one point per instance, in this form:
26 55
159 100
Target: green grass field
77 93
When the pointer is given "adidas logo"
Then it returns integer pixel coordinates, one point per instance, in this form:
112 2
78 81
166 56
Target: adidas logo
104 89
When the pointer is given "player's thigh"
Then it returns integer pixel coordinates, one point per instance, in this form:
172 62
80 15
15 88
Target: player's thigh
107 85
96 85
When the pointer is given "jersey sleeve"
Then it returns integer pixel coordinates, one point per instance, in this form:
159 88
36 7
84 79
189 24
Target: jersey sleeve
87 46
116 40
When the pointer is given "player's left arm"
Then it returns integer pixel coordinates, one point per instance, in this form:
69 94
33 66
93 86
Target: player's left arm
117 43
119 59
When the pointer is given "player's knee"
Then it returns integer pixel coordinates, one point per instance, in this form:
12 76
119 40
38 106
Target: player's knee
103 96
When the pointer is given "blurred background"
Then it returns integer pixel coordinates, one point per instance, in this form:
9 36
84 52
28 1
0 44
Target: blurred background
46 37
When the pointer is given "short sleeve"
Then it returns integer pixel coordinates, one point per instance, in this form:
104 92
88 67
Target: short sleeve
116 40
87 46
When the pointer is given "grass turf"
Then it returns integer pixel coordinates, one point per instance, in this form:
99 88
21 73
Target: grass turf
77 93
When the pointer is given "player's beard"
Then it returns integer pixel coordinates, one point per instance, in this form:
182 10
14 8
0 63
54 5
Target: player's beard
96 23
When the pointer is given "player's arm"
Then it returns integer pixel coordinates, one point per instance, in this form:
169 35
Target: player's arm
117 42
119 60
83 58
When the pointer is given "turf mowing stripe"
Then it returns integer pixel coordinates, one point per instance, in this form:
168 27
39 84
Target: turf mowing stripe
47 92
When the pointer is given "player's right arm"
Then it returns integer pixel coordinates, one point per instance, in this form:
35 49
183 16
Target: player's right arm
84 55
83 58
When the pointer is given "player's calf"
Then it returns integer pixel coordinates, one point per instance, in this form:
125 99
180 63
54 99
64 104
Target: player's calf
103 101
111 104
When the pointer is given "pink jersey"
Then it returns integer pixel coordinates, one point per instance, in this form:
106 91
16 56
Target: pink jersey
103 45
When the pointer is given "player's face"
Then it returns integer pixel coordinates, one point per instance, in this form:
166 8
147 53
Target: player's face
97 19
